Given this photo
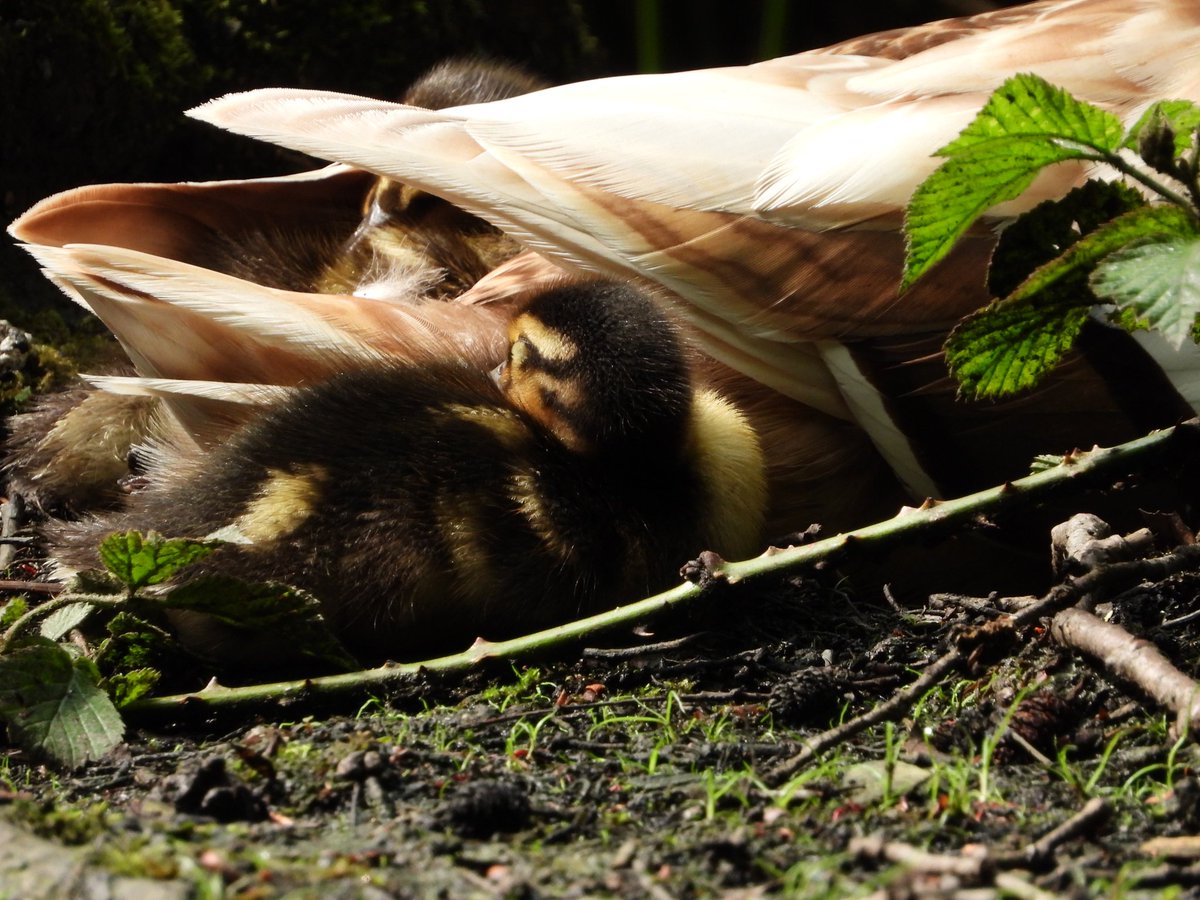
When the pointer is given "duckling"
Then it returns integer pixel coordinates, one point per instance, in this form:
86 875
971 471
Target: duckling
401 243
426 506
759 199
355 235
406 243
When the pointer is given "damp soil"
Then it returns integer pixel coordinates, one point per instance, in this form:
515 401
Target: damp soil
649 767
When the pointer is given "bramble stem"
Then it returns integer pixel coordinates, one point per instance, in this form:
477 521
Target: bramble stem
907 524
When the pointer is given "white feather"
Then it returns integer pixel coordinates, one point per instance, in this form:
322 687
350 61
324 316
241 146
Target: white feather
227 392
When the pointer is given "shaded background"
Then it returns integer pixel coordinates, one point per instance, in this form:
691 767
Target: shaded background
92 90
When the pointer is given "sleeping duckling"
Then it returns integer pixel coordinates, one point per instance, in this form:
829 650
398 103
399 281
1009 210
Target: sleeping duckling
426 506
409 244
369 238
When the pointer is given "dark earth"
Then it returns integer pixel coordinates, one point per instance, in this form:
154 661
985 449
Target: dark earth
655 765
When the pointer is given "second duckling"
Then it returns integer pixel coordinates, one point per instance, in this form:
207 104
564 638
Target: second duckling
428 506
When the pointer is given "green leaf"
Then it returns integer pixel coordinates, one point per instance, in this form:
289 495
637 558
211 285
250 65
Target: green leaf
1026 125
1160 281
134 643
126 687
53 705
1014 342
1129 320
1146 222
11 611
284 613
1008 347
61 621
1177 119
1029 106
151 559
949 201
1050 228
1044 461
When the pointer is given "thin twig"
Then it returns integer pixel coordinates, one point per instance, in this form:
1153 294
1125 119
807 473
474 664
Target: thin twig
874 847
12 511
1014 886
1090 818
1041 758
1181 620
1099 582
982 605
891 600
37 587
639 651
1132 659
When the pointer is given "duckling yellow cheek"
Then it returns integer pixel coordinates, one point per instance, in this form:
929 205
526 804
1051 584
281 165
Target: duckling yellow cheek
549 344
283 503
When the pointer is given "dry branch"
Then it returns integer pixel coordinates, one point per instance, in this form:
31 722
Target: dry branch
874 847
991 638
12 511
1094 814
1133 660
1085 541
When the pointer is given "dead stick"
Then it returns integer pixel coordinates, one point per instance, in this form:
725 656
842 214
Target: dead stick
1101 581
11 514
38 587
874 847
1014 886
1133 659
1091 817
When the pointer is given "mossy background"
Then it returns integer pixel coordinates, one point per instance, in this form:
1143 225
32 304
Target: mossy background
92 90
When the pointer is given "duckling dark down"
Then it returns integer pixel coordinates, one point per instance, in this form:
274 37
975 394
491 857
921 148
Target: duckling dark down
428 506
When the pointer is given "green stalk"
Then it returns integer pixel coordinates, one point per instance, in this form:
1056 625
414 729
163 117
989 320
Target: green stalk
770 35
881 536
649 35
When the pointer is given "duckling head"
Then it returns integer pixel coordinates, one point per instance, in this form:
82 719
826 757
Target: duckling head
407 234
601 367
466 80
